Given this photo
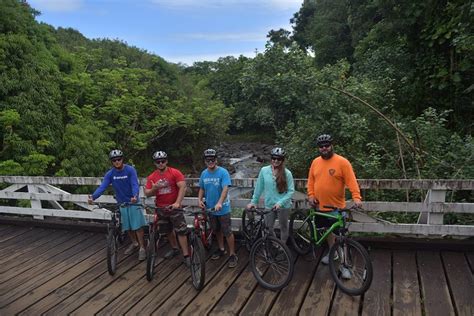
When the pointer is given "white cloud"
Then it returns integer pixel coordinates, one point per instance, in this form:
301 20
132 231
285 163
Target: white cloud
57 5
277 4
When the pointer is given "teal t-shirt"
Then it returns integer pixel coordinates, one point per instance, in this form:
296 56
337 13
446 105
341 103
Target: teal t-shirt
213 182
266 184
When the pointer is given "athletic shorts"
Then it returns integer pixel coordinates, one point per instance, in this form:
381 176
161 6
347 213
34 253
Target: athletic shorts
221 223
325 222
176 219
132 217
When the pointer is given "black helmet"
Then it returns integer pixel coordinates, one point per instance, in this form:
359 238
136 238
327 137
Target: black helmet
116 153
278 152
324 139
210 153
159 155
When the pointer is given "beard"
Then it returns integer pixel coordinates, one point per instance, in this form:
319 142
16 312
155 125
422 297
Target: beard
328 154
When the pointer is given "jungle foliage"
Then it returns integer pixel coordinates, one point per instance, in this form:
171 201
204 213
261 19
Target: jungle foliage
355 69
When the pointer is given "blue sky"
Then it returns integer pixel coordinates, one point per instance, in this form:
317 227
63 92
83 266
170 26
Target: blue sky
177 30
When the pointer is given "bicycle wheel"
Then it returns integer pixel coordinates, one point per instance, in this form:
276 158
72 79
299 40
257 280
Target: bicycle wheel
271 263
249 228
151 255
301 232
350 267
112 251
198 262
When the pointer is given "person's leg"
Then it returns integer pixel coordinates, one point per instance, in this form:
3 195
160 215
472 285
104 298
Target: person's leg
225 223
139 234
270 222
283 219
183 242
179 225
216 227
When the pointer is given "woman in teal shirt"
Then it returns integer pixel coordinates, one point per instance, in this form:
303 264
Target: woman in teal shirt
276 183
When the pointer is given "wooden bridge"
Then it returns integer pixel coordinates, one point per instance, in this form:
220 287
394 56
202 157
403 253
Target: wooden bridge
56 271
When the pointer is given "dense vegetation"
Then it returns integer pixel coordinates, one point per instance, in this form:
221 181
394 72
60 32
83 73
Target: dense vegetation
391 80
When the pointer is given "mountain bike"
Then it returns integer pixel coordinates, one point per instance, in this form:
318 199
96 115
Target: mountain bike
202 227
115 236
270 259
349 262
160 226
198 237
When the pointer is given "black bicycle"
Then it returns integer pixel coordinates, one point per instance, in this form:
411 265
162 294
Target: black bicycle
349 262
270 259
160 226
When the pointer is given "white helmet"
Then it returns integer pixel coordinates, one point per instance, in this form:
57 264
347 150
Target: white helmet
160 155
116 153
278 152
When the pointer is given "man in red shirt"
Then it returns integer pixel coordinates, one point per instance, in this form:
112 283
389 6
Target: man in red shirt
168 186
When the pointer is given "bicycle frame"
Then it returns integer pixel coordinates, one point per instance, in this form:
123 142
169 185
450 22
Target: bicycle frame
199 224
340 223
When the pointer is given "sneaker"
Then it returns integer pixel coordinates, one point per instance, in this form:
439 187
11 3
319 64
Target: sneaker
141 254
218 253
187 261
325 259
130 249
233 261
172 253
345 273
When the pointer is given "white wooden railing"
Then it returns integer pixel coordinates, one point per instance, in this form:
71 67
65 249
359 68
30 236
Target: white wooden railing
41 197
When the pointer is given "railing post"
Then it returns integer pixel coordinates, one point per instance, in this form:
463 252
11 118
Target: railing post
435 196
32 188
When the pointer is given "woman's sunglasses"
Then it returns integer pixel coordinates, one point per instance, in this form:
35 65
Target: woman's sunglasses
277 158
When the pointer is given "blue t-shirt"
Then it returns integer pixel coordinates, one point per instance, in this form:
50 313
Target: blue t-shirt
125 183
213 183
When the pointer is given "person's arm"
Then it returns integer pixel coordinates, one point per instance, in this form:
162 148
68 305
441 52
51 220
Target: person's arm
223 196
150 187
200 197
182 191
291 189
310 185
135 185
257 192
351 182
105 183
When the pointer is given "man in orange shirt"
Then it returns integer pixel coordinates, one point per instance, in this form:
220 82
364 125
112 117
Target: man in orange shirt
328 177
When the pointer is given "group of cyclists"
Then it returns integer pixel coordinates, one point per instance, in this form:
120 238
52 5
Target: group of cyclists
328 177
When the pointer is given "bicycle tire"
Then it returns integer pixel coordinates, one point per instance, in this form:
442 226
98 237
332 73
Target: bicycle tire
198 262
301 237
353 257
150 255
272 263
112 251
249 229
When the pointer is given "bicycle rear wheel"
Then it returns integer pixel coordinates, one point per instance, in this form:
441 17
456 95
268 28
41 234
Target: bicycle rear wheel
249 228
151 255
198 262
301 232
271 263
112 251
350 267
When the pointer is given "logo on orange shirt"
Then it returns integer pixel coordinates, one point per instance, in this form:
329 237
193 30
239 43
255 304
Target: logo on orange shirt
332 172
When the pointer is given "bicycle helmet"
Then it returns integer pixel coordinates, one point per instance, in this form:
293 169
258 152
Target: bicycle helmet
324 139
210 153
160 155
116 153
278 152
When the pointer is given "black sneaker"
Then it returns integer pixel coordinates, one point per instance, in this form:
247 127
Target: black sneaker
217 254
187 261
233 261
172 253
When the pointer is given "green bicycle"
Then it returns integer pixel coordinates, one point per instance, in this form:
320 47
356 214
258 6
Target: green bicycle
350 265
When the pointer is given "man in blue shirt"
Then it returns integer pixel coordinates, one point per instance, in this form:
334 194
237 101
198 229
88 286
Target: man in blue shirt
124 180
214 185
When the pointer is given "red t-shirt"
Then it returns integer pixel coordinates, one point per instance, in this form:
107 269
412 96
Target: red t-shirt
167 194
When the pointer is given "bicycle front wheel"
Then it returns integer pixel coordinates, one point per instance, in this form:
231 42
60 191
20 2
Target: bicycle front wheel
271 263
350 267
151 255
301 232
249 228
198 262
112 251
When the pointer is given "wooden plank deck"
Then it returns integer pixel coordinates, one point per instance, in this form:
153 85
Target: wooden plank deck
59 272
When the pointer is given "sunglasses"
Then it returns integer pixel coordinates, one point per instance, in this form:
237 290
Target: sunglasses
116 159
211 160
277 158
160 161
324 146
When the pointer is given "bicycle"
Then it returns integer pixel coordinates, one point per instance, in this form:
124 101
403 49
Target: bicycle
349 261
157 228
114 236
270 259
202 227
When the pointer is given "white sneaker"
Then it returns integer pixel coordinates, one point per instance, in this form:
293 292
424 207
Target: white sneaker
130 249
141 254
325 259
345 273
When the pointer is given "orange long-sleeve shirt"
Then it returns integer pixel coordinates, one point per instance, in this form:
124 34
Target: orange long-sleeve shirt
327 180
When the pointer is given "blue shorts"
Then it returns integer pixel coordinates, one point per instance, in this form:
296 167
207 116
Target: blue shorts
132 217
